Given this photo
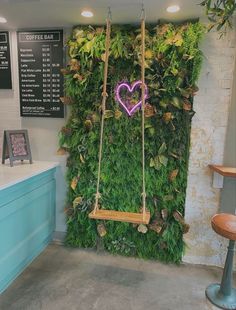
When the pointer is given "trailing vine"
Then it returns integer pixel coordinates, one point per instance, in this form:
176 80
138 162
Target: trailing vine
220 13
173 62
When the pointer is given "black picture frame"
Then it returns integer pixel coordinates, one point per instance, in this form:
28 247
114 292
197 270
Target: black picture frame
16 146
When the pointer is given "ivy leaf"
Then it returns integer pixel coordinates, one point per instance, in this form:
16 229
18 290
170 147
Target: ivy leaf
152 163
149 54
163 160
148 125
176 102
188 57
164 214
164 103
151 131
157 163
74 182
62 151
153 85
80 41
77 201
184 92
88 124
178 39
162 148
142 229
88 46
81 158
101 229
167 117
66 100
168 197
78 33
117 114
108 114
103 57
187 105
173 175
73 51
95 117
174 71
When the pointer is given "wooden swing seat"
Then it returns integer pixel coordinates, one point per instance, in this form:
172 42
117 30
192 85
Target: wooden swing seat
119 216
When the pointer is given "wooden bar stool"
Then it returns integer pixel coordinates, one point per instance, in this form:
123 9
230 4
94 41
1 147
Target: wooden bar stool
223 295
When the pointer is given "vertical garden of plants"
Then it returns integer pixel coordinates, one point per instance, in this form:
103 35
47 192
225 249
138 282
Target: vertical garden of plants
173 62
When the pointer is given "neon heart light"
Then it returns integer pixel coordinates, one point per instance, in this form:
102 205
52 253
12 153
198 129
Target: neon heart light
127 106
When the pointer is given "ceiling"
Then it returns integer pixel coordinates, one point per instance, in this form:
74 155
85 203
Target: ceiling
66 13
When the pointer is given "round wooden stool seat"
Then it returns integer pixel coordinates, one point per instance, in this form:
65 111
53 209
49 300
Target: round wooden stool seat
224 225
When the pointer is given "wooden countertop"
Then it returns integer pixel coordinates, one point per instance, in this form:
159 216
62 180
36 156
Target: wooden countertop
223 170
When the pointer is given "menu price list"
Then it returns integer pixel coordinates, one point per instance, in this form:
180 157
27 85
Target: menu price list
40 55
5 63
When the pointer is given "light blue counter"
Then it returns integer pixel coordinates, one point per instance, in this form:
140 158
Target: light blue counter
27 216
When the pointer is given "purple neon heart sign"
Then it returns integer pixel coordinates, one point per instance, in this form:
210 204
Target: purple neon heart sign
130 108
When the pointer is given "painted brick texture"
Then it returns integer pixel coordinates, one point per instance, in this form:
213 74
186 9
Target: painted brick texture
208 134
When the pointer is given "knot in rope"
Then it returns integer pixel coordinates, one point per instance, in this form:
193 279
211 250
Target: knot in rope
144 195
104 94
97 196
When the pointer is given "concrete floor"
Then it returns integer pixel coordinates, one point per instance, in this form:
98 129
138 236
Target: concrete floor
63 278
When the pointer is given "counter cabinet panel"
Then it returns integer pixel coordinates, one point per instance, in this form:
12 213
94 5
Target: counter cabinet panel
27 222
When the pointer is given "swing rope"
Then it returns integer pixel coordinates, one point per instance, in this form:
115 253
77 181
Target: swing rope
143 217
143 105
104 99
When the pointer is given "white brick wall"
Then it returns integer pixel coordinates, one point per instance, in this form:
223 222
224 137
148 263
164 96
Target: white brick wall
207 146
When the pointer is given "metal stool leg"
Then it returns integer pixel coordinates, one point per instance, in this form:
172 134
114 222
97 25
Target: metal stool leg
223 295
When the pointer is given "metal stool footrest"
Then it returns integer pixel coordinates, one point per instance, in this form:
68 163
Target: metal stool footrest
223 295
218 299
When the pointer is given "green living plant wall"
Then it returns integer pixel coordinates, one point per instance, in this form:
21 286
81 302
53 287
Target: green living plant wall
173 62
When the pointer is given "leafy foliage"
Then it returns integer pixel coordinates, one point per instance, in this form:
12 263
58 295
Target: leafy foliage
173 62
220 13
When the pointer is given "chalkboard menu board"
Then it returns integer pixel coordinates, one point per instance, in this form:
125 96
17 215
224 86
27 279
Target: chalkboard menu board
40 55
5 62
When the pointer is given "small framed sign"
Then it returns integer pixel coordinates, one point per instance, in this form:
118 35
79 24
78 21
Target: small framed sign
16 146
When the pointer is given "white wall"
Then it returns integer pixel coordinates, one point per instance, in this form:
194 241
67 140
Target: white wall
228 194
9 99
207 147
207 139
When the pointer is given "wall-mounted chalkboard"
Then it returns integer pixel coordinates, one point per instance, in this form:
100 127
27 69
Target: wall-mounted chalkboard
40 55
5 61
